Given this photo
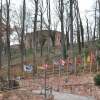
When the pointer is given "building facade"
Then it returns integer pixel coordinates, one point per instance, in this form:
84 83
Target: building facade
43 35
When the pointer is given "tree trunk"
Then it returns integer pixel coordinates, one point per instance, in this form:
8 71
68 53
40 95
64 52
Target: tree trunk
80 23
41 51
78 27
82 32
71 24
22 34
94 35
1 35
67 37
0 52
53 43
41 22
99 18
88 36
62 31
78 36
67 30
49 26
34 36
8 38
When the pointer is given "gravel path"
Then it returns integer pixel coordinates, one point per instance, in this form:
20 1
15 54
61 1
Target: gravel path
66 96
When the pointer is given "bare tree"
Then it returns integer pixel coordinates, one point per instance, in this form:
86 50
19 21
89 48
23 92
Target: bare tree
17 21
1 35
49 24
51 34
99 18
41 12
8 37
82 32
71 24
34 34
60 13
53 37
62 29
42 42
78 26
67 28
88 36
42 38
22 34
94 36
78 37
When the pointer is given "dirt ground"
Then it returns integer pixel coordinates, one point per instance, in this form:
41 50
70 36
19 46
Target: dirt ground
82 85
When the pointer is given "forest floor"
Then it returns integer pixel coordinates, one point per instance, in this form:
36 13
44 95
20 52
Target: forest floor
82 85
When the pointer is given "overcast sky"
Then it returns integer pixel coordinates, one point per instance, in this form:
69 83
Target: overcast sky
84 6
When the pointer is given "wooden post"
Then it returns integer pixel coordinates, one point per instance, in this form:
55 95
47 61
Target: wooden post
53 69
67 71
66 74
75 66
53 75
84 64
97 67
59 75
59 78
45 85
38 71
90 66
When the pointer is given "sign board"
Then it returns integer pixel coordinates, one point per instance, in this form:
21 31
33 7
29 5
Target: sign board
28 68
40 67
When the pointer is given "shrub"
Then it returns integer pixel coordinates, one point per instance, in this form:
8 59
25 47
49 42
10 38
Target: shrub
98 59
97 80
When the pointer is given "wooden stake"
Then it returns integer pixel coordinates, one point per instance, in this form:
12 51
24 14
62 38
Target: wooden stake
90 67
84 64
67 71
53 70
97 67
75 66
66 78
59 78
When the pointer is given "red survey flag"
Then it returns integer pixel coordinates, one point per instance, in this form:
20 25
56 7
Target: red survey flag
70 61
62 62
45 66
78 60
